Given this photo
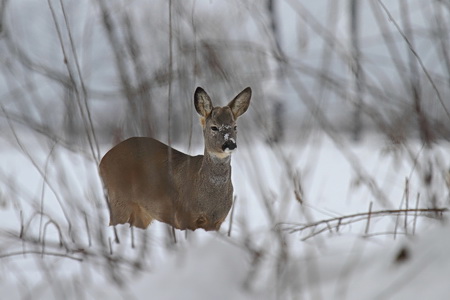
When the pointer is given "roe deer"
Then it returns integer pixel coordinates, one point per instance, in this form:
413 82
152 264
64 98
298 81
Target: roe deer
147 180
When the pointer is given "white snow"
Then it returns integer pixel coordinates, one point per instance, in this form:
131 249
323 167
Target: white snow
344 264
215 269
55 242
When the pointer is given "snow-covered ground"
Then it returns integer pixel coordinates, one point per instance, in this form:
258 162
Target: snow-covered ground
70 252
315 217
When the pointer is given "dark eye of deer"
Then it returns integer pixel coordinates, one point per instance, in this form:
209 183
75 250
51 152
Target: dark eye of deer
235 127
214 128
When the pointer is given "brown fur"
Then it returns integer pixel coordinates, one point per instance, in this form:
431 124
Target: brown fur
147 180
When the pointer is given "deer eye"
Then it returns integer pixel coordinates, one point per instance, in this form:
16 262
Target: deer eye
235 128
214 128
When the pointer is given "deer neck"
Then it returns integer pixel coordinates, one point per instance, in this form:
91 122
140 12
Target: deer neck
216 170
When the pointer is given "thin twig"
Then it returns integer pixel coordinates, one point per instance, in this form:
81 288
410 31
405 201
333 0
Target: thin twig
368 218
110 246
95 155
64 255
91 132
415 215
43 189
27 153
406 204
132 237
300 227
88 231
419 60
231 215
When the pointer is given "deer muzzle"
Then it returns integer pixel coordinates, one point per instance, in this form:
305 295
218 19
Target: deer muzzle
230 145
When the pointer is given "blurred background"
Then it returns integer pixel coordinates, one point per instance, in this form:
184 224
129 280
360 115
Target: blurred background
94 72
350 112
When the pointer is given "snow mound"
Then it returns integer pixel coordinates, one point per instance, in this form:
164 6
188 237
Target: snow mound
211 270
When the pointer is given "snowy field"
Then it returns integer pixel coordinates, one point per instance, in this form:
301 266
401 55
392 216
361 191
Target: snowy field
69 252
351 203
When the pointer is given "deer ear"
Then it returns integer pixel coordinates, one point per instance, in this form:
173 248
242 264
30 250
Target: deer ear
202 102
240 103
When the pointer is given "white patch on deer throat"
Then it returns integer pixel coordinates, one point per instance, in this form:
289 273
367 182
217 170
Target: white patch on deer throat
228 150
222 155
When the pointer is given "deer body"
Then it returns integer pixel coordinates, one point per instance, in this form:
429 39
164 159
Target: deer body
147 180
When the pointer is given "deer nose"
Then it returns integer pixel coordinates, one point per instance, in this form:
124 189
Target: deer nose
230 145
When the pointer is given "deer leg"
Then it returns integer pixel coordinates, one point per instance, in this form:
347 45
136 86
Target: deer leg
120 210
139 218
